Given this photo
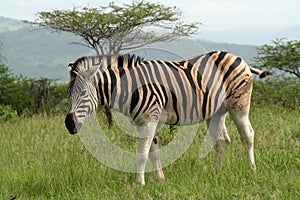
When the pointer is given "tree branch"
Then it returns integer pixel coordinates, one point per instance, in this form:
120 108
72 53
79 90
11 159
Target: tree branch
114 28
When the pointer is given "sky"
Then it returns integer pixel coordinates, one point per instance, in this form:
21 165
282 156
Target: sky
216 16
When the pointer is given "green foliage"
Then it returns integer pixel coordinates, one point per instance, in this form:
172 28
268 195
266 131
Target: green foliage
11 92
29 96
109 29
282 55
58 98
277 91
40 160
7 113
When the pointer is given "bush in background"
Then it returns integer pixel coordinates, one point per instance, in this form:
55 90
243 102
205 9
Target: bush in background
277 91
7 113
26 97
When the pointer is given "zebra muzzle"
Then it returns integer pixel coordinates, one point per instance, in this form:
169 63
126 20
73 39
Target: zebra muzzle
71 124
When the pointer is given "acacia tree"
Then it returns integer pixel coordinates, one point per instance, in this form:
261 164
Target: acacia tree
110 29
282 55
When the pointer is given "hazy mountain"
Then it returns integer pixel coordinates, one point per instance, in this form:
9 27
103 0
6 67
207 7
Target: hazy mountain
7 24
41 53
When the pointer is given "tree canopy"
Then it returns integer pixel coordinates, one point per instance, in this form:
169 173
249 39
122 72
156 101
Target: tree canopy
110 29
282 55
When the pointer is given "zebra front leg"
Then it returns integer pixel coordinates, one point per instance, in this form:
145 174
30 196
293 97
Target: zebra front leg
155 159
217 130
146 136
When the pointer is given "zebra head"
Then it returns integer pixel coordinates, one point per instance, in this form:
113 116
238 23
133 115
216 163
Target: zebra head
83 97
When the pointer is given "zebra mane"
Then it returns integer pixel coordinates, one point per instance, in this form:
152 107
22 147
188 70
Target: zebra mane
84 63
131 59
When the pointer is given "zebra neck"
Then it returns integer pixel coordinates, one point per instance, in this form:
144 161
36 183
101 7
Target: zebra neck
105 83
113 84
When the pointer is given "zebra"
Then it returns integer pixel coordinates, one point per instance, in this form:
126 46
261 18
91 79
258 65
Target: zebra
201 88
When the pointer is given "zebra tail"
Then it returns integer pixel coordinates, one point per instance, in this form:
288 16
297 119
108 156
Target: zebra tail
262 74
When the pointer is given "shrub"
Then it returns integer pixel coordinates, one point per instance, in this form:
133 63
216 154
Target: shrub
59 98
7 113
277 91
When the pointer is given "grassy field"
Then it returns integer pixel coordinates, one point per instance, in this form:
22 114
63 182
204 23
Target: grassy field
40 160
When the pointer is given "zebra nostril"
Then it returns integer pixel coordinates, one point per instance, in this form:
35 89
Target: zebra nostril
70 124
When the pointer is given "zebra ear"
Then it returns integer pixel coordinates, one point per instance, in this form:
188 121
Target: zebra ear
70 66
72 74
90 72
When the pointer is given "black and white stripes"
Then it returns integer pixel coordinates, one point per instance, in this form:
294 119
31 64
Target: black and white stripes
190 90
152 91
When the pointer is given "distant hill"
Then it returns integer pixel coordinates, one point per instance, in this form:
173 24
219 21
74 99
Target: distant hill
7 24
41 53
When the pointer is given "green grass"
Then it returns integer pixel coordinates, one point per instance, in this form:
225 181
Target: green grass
40 160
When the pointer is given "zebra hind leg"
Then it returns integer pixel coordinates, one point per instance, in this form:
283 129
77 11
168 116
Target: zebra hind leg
241 120
155 159
238 106
217 130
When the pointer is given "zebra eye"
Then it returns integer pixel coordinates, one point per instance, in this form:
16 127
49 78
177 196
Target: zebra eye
83 92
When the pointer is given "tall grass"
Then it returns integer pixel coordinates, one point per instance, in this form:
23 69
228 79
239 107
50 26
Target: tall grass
40 160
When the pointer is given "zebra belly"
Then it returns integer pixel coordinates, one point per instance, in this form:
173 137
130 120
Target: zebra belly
171 116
